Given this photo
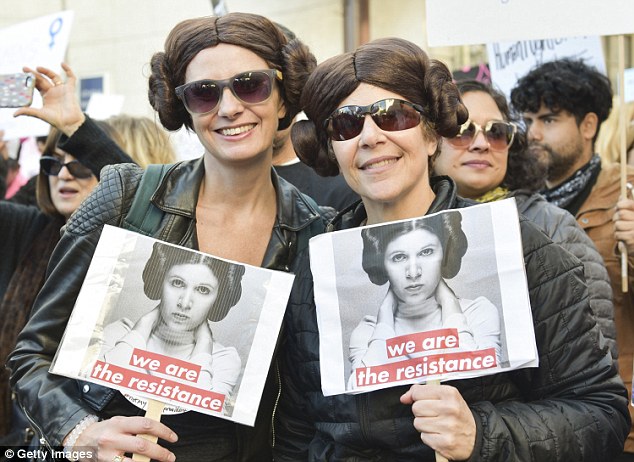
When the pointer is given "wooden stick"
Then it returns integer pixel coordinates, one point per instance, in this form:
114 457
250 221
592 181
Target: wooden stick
622 125
439 458
153 411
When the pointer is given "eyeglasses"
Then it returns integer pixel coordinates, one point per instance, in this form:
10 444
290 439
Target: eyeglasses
498 134
51 166
203 96
391 115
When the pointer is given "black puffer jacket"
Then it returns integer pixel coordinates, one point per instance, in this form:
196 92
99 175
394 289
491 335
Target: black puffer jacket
563 229
573 407
56 404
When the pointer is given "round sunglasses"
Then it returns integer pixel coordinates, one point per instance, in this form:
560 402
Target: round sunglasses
391 115
51 166
203 96
498 134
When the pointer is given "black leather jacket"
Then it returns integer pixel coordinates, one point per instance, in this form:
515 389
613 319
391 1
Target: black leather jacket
573 407
56 404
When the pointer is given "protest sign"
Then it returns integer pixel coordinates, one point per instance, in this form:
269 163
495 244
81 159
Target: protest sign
459 22
38 42
161 322
508 61
628 84
441 297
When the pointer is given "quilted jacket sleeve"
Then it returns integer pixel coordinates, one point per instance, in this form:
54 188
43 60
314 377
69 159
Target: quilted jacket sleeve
52 402
575 404
563 229
93 147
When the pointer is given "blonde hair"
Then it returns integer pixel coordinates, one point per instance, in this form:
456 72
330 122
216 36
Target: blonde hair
608 143
143 139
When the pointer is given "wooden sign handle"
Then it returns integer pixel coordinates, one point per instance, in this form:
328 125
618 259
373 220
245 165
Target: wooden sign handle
623 157
153 411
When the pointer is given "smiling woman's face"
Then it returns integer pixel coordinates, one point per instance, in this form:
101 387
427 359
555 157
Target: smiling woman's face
477 168
413 264
189 292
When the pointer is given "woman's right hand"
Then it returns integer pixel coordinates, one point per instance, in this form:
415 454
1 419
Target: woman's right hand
60 105
119 435
145 324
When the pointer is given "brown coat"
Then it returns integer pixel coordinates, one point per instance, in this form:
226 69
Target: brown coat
595 217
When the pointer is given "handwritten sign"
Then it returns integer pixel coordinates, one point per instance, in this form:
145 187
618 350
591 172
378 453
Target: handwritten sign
509 61
460 22
38 42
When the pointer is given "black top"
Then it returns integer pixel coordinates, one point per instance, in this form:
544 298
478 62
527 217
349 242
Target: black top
331 191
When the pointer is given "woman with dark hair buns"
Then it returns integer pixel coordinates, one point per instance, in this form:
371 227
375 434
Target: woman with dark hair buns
378 114
235 81
415 258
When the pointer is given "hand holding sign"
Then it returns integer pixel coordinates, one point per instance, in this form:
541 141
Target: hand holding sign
119 435
443 419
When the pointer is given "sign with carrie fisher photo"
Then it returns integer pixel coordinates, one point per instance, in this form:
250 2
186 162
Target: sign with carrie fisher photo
441 297
158 321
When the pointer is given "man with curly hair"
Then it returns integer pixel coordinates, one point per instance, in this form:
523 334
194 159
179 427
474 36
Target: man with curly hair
563 104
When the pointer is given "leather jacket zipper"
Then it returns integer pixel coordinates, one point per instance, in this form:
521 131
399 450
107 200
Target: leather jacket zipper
277 400
41 437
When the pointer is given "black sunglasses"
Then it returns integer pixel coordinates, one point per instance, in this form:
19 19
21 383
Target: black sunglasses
498 134
203 96
51 166
391 115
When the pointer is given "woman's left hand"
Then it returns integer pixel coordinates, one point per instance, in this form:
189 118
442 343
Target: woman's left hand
447 299
204 340
443 418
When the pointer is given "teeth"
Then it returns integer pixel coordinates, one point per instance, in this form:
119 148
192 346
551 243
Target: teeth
236 130
380 164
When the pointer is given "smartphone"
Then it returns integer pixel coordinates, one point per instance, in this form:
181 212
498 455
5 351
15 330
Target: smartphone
16 90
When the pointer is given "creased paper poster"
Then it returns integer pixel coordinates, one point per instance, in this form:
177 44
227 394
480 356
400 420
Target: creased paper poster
159 321
438 297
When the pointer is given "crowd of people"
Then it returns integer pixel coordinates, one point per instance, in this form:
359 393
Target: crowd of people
386 135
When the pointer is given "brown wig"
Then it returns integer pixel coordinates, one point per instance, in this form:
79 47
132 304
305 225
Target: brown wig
448 228
253 32
393 64
165 256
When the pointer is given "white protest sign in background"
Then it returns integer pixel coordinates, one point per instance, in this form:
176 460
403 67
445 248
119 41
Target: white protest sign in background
38 42
508 61
629 84
460 22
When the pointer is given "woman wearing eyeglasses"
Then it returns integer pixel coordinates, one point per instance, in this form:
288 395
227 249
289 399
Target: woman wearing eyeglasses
234 80
378 115
488 161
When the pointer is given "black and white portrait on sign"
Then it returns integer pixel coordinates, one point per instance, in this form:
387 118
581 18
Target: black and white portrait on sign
175 317
446 271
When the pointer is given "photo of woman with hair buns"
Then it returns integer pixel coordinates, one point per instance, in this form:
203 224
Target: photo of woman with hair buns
415 258
193 290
